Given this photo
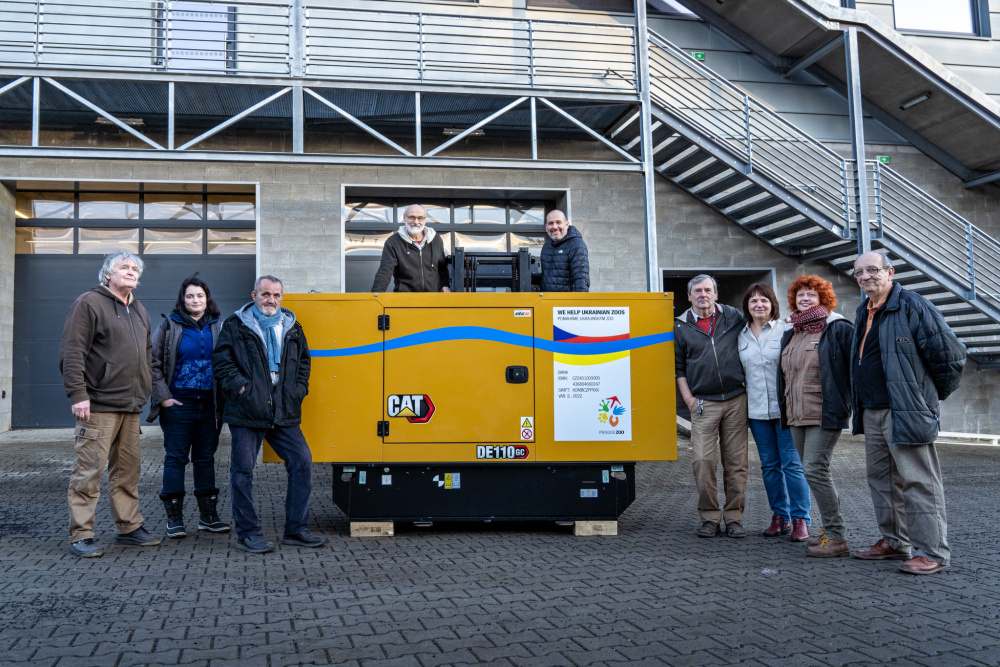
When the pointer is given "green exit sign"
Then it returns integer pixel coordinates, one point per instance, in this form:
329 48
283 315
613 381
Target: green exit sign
884 159
698 55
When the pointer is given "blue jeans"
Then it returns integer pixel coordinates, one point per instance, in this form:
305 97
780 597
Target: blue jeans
189 431
784 481
288 443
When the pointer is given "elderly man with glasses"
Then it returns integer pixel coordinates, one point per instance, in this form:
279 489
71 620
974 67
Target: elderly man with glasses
414 257
905 361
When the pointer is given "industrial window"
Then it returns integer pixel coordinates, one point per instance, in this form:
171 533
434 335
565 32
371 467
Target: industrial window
149 219
484 225
959 17
197 36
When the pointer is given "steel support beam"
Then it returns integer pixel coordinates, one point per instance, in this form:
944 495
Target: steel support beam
489 119
591 132
418 123
36 106
534 130
983 180
60 152
375 133
648 166
98 110
296 40
14 84
298 119
235 119
171 115
856 111
818 54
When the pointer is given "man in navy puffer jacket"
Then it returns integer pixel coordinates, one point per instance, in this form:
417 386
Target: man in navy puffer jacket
565 264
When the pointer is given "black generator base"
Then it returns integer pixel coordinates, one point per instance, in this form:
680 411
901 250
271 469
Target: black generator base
477 492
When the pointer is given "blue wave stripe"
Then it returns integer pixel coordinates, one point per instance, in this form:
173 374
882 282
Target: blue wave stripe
497 336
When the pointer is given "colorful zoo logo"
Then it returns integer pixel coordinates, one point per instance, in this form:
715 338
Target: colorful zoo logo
610 410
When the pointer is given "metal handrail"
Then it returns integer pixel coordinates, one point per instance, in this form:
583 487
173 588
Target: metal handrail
250 37
942 237
732 117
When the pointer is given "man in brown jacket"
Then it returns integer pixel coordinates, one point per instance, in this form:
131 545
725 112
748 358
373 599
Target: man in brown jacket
105 358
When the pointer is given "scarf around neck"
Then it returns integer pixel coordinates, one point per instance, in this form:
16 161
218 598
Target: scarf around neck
267 324
810 321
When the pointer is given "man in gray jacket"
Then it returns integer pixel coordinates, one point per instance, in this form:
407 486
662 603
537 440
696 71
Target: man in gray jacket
106 358
906 360
711 382
414 257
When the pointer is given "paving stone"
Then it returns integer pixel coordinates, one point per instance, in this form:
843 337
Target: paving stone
519 594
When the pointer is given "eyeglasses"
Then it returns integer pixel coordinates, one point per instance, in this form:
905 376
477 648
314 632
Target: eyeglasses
416 218
870 271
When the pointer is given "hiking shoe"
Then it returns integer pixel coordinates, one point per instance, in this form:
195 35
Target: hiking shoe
828 548
735 529
814 541
140 537
708 529
304 539
85 548
255 544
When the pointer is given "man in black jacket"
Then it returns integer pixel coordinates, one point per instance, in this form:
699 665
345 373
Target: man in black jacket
711 382
565 263
262 364
905 361
414 257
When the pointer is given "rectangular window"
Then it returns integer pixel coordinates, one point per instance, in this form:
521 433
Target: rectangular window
43 241
961 17
198 36
172 207
95 205
232 241
103 241
172 241
231 207
53 205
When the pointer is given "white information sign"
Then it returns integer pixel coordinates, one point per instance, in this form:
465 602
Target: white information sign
593 389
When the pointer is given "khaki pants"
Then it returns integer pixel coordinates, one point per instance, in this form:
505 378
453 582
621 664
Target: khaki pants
721 425
112 439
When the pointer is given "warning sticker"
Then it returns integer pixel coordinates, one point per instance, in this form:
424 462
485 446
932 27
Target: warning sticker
522 313
527 428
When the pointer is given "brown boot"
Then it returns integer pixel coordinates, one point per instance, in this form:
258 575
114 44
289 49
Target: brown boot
828 548
800 530
814 541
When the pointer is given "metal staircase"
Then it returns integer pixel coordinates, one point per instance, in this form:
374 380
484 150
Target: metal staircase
740 158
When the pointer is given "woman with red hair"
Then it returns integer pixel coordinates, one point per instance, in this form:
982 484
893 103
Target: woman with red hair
814 395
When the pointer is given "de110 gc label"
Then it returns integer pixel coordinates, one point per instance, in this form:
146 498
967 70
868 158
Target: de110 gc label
501 452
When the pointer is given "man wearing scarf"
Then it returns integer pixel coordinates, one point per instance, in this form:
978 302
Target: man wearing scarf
262 365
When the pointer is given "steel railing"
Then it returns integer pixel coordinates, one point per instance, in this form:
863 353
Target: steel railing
297 39
765 141
938 235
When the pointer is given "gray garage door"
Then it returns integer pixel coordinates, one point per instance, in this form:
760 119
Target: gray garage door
46 285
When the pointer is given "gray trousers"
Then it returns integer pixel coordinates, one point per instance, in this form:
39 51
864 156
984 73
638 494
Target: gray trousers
907 491
815 445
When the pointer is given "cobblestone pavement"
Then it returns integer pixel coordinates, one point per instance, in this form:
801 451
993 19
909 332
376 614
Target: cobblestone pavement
521 594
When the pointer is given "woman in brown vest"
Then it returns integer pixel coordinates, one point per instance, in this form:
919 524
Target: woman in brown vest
814 394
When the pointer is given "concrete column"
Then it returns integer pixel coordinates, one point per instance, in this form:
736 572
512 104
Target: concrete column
7 202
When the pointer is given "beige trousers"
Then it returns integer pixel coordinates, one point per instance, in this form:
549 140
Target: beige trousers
722 425
112 439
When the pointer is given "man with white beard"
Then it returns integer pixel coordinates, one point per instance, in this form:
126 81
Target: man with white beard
414 257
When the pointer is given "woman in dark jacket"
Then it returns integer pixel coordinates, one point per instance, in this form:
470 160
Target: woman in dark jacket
184 400
814 394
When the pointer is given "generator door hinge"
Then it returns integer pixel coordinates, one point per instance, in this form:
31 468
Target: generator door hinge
383 322
383 429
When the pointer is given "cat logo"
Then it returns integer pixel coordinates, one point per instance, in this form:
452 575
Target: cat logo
417 408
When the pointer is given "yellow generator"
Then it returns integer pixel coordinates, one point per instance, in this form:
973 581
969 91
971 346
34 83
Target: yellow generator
487 406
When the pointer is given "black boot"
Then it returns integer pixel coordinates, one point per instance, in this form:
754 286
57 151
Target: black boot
209 520
173 503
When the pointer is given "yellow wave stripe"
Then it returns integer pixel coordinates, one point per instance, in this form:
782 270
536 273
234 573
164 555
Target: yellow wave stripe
589 359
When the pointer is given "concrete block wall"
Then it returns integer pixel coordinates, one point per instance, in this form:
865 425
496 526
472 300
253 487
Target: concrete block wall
6 302
300 233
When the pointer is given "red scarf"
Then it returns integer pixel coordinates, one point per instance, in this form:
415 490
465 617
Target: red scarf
810 321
